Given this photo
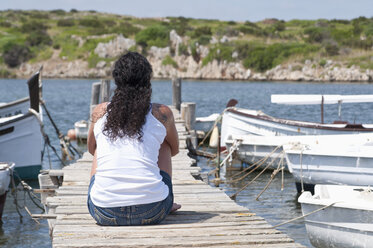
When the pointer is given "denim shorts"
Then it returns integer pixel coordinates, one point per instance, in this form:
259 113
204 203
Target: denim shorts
143 214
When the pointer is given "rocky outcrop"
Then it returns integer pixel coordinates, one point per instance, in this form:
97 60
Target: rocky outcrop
192 67
111 49
331 71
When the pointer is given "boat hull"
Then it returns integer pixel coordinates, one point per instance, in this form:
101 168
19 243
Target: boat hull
21 142
238 122
347 223
318 167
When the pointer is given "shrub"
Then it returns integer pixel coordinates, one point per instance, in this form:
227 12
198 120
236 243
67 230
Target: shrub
153 36
74 11
39 15
322 62
39 38
183 50
66 22
169 61
262 58
33 26
331 49
228 31
15 54
204 30
314 34
5 24
220 53
125 28
93 23
4 73
58 11
204 39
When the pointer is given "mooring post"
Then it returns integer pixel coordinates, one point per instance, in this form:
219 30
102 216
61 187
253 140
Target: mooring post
176 92
190 117
95 96
105 90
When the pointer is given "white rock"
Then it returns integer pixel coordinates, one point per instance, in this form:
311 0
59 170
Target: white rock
159 53
213 40
224 39
175 41
234 54
101 64
114 47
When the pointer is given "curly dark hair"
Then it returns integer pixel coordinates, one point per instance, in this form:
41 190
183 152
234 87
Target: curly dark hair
126 113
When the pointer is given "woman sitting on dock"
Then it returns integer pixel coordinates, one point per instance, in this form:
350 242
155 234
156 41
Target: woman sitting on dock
132 141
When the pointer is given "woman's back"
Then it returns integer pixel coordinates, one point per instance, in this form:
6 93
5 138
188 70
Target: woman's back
127 171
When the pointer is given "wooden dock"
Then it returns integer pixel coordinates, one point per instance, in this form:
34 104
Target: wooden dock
208 217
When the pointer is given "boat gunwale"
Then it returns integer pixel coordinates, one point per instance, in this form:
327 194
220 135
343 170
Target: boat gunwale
16 102
296 123
23 116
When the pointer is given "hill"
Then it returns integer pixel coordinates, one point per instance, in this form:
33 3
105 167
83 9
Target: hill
85 44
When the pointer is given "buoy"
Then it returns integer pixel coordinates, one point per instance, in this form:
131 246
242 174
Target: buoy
214 138
71 134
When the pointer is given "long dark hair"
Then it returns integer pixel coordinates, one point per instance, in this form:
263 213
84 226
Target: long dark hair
130 104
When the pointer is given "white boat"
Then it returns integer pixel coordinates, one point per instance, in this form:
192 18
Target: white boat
81 130
6 172
21 140
17 107
205 123
240 121
348 161
346 221
254 148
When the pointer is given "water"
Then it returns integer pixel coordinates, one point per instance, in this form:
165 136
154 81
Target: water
68 102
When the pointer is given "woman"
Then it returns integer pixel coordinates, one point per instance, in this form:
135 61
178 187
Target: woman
132 141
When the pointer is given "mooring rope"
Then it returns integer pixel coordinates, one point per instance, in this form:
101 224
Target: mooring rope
256 164
232 149
46 137
260 173
274 173
305 215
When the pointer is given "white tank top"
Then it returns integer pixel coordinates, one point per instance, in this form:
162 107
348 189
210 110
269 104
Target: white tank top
127 170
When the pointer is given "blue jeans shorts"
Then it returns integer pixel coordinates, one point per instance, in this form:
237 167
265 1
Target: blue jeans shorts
144 214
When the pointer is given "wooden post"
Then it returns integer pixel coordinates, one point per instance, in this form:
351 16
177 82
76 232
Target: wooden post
95 96
190 115
105 90
176 93
183 110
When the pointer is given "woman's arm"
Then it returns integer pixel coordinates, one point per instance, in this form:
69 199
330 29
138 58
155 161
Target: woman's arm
97 113
165 116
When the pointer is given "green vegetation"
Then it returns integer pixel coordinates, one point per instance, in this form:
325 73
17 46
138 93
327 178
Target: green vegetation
158 36
169 61
34 36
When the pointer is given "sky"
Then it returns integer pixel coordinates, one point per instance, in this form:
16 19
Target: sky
235 10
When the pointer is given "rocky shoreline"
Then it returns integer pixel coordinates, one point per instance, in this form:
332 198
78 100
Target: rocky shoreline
187 67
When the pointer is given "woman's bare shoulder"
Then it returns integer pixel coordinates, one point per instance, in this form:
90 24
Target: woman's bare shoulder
99 111
163 113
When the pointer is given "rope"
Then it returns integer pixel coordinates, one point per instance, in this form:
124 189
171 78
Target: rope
235 194
14 194
305 215
232 149
256 164
274 173
46 137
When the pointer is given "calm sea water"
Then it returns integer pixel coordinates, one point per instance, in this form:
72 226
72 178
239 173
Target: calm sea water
68 102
